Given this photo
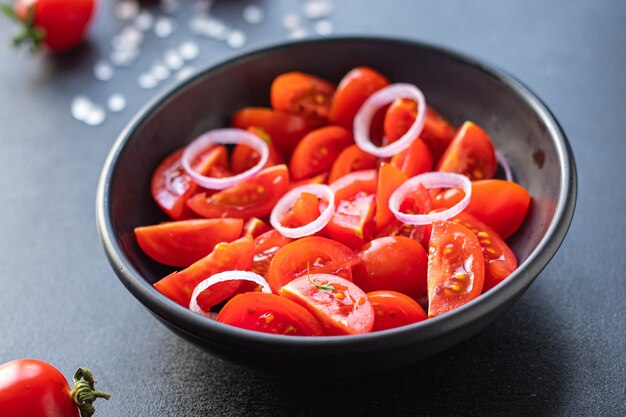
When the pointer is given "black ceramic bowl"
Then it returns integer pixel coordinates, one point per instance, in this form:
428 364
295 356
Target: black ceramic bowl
462 88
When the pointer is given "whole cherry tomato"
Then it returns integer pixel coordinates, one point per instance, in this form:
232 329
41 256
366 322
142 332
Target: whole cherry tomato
58 25
33 388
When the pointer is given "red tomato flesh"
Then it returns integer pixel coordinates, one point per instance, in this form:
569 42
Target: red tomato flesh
349 160
393 309
304 95
389 179
244 157
470 153
265 247
317 151
305 210
415 160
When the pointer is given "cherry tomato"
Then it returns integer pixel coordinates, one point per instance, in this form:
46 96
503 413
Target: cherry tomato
415 160
448 198
389 178
340 306
269 313
437 133
355 201
318 179
394 263
456 269
244 157
304 95
58 25
393 309
185 242
265 247
178 286
317 151
312 254
252 198
355 87
470 153
285 129
171 186
349 160
500 260
305 210
255 227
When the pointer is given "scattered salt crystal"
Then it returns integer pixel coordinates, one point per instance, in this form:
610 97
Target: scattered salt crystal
96 116
80 108
126 9
189 50
253 14
116 103
236 39
124 58
324 27
160 72
173 60
164 27
291 22
316 9
184 73
144 21
147 81
103 71
299 33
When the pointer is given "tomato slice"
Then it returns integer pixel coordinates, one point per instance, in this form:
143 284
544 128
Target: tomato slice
171 186
255 227
470 153
285 129
178 286
500 260
395 263
244 157
312 254
305 210
349 160
355 201
389 178
340 306
304 95
185 242
437 133
265 247
269 313
415 160
317 151
355 87
254 197
393 309
456 269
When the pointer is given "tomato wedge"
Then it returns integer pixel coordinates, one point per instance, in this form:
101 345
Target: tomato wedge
305 210
255 227
269 313
265 247
349 160
395 263
340 306
185 242
304 95
355 87
285 129
389 178
318 179
415 160
456 269
171 186
244 157
312 254
178 286
317 151
470 153
252 198
500 260
393 309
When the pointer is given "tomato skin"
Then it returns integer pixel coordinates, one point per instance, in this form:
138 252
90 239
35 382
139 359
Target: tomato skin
255 227
349 160
317 151
244 157
64 22
305 210
500 260
355 87
266 246
285 129
33 388
269 313
312 254
415 160
342 308
389 178
185 242
178 286
456 269
393 309
448 198
501 205
252 198
304 95
470 153
394 263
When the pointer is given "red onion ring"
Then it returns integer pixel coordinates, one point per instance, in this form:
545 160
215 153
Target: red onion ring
221 137
505 166
221 277
364 116
430 180
287 201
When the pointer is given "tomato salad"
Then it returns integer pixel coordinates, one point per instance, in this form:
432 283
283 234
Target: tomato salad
340 210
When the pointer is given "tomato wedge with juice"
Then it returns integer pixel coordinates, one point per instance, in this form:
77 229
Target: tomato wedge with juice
317 151
304 95
349 160
266 246
393 309
470 153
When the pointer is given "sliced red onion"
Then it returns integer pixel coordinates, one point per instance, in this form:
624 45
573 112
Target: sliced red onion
505 166
221 277
430 180
222 137
363 119
286 203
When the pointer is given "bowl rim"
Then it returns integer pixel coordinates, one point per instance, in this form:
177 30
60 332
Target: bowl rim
210 330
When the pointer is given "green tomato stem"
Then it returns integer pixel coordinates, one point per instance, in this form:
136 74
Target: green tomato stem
84 392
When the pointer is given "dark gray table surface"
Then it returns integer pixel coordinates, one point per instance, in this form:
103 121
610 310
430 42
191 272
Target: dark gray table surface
559 351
